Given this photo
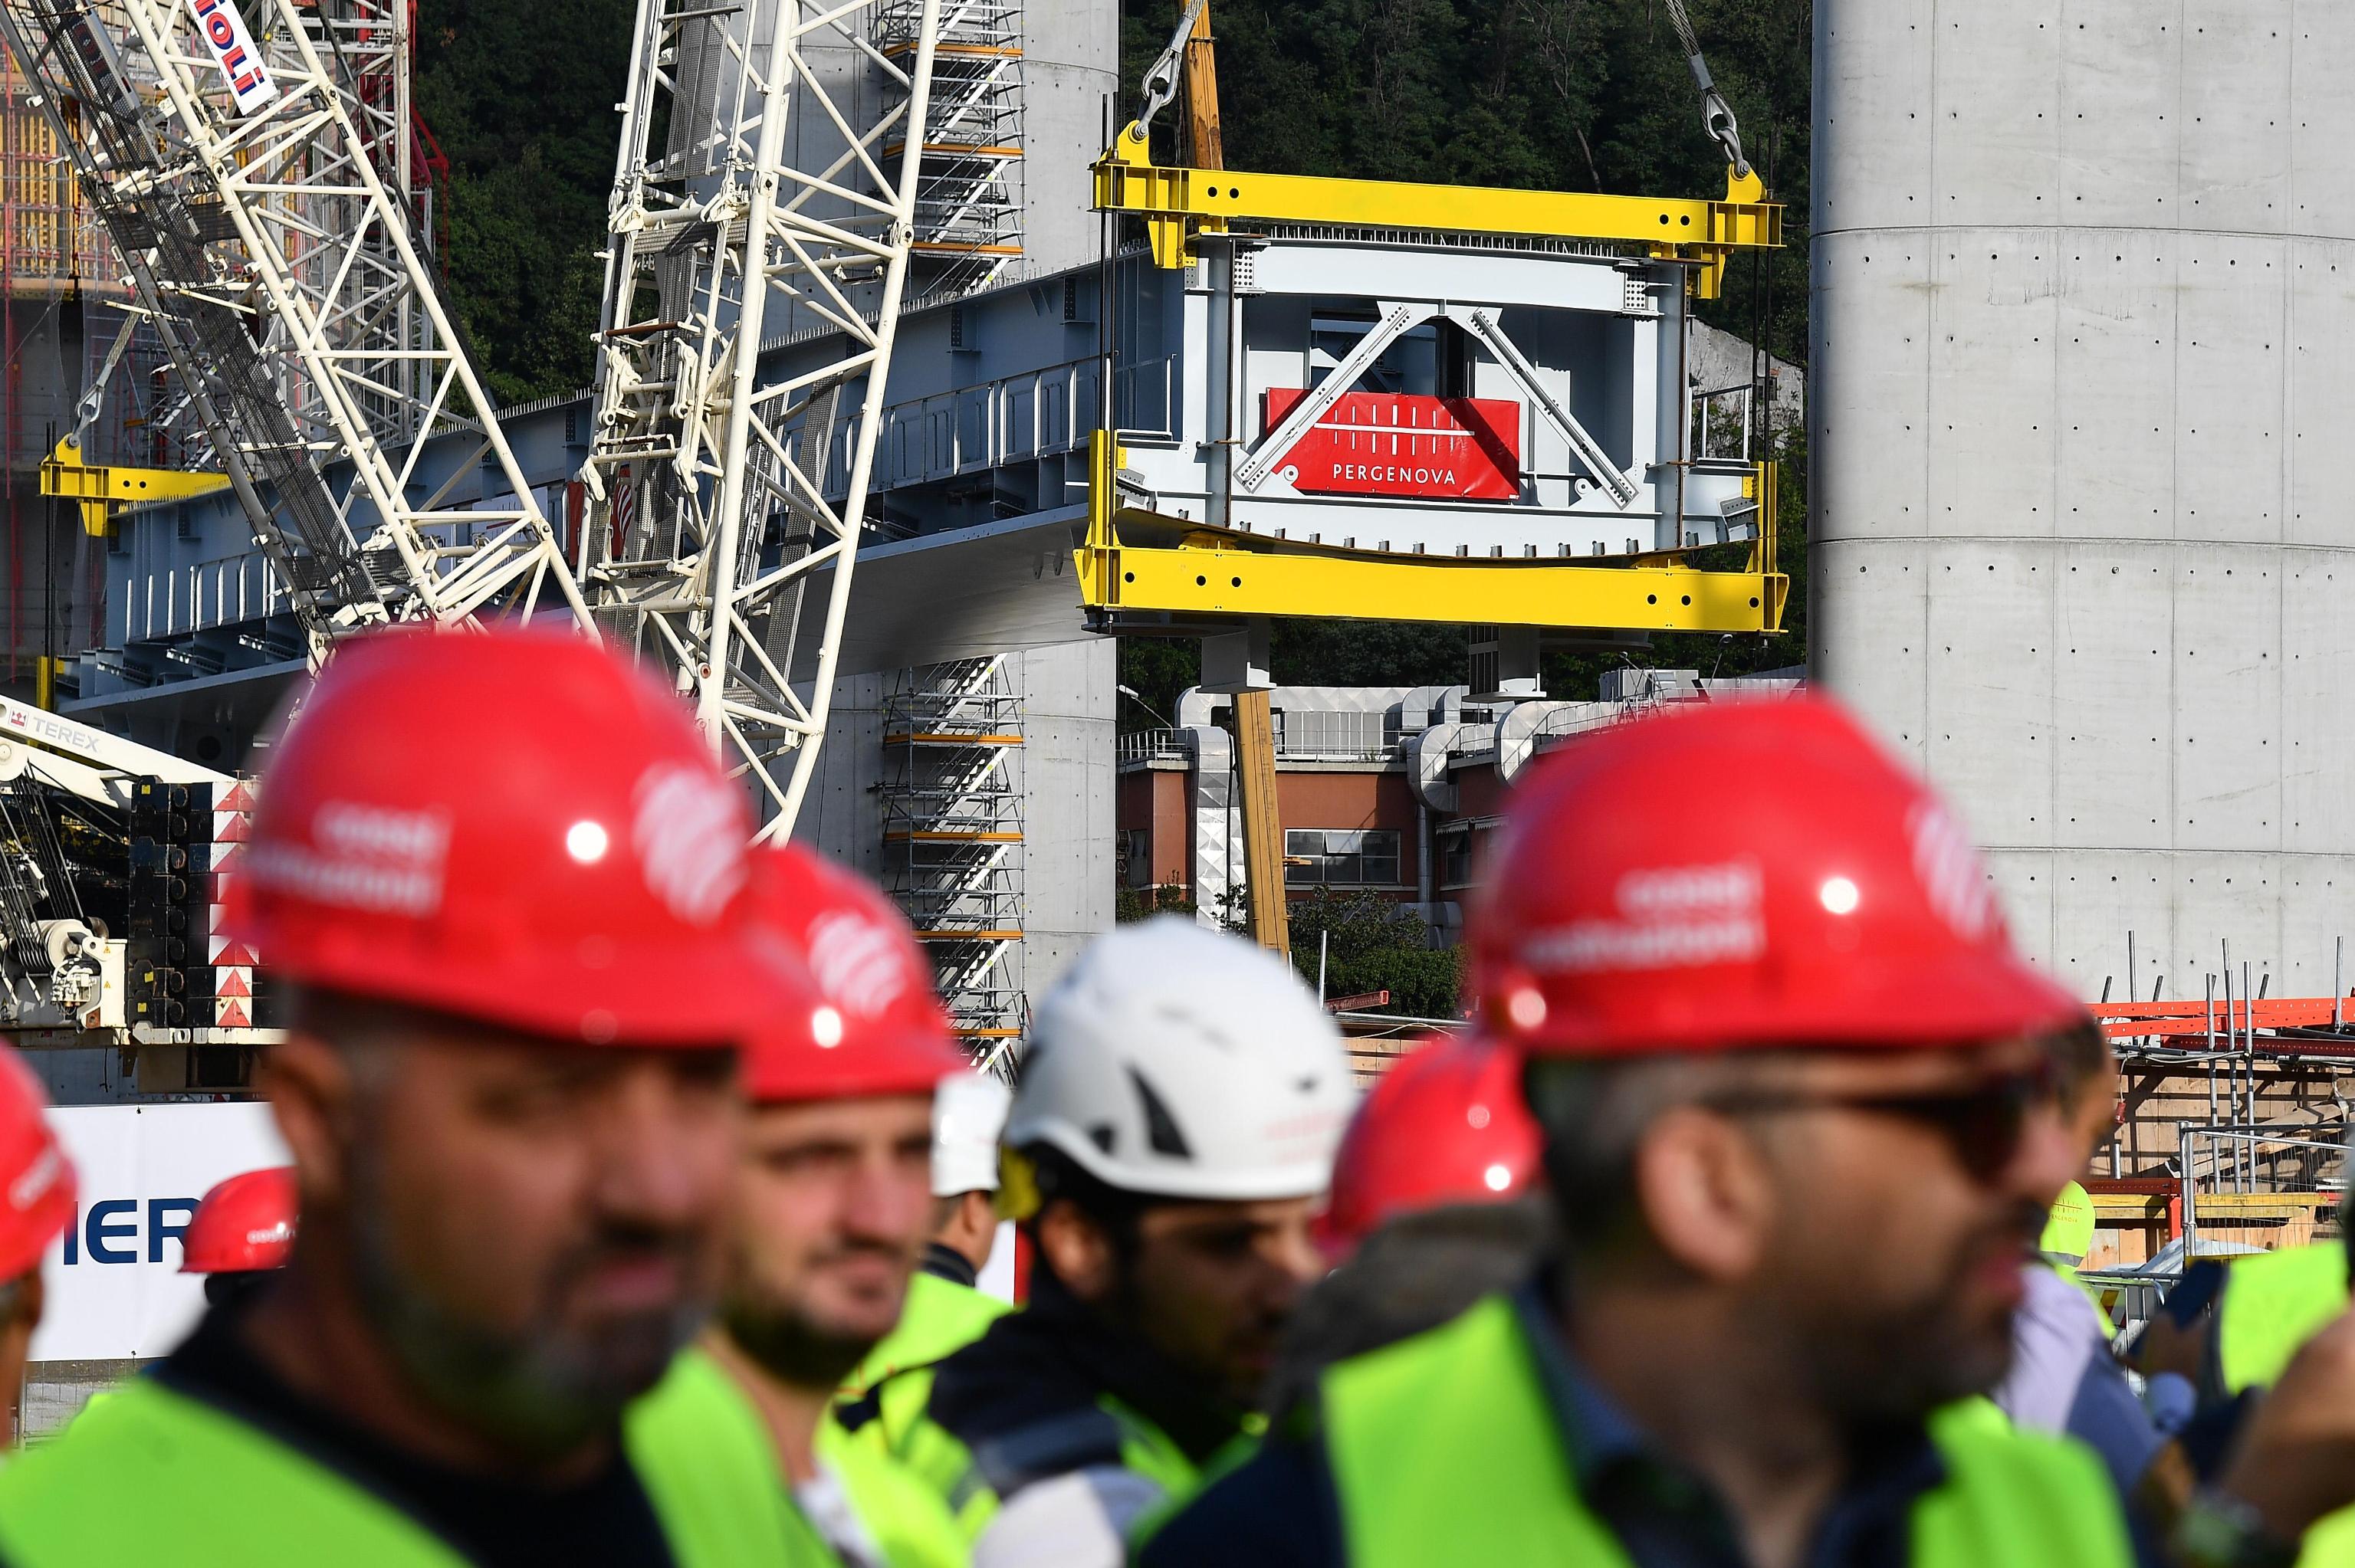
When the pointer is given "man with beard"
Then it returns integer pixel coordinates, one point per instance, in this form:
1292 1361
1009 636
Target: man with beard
947 1311
1181 1099
833 1206
505 884
1790 1073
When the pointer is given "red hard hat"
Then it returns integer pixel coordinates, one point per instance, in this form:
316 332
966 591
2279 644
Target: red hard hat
871 1023
510 826
1445 1125
246 1222
37 1180
1743 873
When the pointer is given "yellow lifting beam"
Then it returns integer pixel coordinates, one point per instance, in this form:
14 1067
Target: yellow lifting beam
1237 576
104 490
1178 203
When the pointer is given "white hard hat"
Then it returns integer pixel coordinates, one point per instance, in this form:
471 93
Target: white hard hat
1173 1060
968 1113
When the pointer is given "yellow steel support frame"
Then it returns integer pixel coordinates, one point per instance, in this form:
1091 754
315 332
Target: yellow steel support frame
1237 575
1178 203
103 489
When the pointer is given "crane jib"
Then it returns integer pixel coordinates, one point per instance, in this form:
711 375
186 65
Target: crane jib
233 49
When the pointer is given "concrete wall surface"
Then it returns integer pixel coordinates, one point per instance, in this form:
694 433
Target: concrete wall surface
1071 62
2083 281
1064 769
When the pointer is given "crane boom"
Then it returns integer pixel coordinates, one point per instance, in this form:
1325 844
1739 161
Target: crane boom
717 499
254 218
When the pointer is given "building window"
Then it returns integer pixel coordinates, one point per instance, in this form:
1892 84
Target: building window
1455 860
1136 857
1337 857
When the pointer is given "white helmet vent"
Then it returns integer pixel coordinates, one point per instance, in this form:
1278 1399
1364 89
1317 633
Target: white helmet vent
1161 1134
1181 1014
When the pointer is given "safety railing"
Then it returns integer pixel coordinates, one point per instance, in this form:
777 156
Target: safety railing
2243 1174
1149 746
1332 735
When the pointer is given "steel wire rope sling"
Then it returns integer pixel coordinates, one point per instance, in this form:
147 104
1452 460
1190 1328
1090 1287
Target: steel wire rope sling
711 483
1161 76
1717 120
1716 114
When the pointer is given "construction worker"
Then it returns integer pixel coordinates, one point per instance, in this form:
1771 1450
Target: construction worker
2062 1377
242 1230
2285 1498
1790 1075
1175 1122
945 1310
506 885
833 1207
36 1201
1445 1125
1436 1202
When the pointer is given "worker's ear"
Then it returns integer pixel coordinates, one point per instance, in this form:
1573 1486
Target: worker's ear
1706 1194
310 1087
978 1214
1077 1249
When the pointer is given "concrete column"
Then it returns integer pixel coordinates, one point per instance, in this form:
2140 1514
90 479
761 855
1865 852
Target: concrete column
2083 276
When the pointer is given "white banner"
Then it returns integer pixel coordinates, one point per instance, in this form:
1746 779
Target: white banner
115 1290
232 46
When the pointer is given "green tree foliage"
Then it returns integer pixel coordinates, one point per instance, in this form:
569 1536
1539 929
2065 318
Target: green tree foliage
1369 943
1580 95
1133 903
520 94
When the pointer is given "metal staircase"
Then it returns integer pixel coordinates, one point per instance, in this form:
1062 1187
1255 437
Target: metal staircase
953 837
968 217
753 198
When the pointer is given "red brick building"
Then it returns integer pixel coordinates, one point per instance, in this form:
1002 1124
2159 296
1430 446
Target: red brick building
1389 789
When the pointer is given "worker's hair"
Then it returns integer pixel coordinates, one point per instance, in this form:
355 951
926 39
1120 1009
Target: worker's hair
1595 1115
341 1019
2081 1061
1062 1180
361 1029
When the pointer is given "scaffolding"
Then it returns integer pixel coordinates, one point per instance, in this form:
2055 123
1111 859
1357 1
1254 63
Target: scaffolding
953 837
968 222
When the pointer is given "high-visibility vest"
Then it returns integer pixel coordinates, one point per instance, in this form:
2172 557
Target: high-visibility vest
1443 1449
941 1318
2273 1303
153 1476
2330 1544
701 1433
972 1481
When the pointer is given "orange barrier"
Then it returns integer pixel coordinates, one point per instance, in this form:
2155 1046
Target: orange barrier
2190 1020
